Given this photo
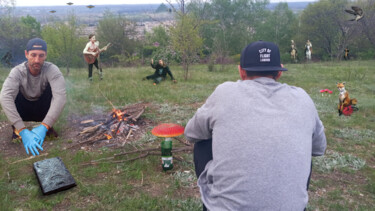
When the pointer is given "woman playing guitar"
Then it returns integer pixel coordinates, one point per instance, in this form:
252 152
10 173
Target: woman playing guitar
91 53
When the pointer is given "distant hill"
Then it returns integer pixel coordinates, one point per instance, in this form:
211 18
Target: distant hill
122 8
44 14
294 6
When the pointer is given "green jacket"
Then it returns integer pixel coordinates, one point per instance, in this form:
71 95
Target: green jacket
162 71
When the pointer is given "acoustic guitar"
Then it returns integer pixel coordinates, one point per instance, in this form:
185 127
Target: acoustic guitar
89 58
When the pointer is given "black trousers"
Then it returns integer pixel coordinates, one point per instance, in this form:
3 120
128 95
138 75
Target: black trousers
34 110
156 78
91 65
203 154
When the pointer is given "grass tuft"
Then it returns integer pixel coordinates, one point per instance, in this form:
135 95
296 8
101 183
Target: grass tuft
333 160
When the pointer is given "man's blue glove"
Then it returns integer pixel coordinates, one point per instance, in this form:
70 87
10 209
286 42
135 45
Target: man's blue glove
30 141
41 131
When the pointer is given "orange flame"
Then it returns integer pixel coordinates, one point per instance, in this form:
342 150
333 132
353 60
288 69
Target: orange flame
108 136
118 113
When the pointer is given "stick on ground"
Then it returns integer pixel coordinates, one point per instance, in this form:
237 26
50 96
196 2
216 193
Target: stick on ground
29 158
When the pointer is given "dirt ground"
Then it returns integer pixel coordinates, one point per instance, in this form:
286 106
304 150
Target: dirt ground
70 137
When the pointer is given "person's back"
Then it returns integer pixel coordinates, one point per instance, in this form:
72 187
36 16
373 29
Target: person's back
262 146
262 142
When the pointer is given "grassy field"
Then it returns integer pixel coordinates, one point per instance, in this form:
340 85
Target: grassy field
343 179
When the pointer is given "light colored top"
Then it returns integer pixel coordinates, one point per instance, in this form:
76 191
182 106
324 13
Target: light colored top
91 47
32 87
263 136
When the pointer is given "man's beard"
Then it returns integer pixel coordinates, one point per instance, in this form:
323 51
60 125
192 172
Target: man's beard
36 66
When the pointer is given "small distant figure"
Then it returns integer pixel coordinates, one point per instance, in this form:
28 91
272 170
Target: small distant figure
7 58
344 100
308 50
91 54
161 71
293 52
346 53
357 12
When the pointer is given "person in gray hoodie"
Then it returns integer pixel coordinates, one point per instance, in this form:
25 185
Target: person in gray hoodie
33 91
255 138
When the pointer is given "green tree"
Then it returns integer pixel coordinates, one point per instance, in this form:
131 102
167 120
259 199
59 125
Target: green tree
64 43
228 26
15 32
324 24
157 44
31 26
122 36
158 35
279 27
185 39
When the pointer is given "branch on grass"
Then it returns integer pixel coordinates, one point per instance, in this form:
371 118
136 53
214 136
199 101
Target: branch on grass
29 158
183 149
149 151
136 116
80 143
181 159
120 161
129 133
183 141
136 151
90 129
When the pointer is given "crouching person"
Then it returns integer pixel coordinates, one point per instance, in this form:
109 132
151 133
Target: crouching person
33 91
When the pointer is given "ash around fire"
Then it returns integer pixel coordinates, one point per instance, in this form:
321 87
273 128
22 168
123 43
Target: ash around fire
114 129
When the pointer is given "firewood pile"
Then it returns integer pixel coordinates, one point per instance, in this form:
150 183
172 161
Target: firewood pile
116 127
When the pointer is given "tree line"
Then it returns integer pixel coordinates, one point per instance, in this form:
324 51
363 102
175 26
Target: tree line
213 32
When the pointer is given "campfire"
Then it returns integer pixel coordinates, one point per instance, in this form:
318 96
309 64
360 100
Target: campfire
115 127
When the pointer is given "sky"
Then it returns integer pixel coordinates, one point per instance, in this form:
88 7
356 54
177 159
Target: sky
102 2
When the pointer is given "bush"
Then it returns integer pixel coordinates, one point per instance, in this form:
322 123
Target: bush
148 50
285 58
236 58
366 55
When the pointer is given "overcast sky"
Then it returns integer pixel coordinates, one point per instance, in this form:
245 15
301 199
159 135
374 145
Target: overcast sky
101 2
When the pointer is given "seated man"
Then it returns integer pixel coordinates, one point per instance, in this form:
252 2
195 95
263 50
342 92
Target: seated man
254 138
33 91
161 71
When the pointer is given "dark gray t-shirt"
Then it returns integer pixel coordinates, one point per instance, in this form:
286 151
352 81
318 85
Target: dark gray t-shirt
263 136
32 87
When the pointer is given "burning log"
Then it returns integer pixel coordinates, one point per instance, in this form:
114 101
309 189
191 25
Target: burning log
119 123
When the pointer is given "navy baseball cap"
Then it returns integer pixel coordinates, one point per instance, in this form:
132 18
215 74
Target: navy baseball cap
36 44
261 56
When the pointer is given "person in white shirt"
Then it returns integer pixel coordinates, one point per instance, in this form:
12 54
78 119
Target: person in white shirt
91 53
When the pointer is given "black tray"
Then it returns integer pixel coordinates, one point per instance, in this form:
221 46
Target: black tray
53 176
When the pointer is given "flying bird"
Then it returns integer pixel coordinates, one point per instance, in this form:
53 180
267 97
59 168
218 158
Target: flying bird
52 11
69 3
357 12
90 6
